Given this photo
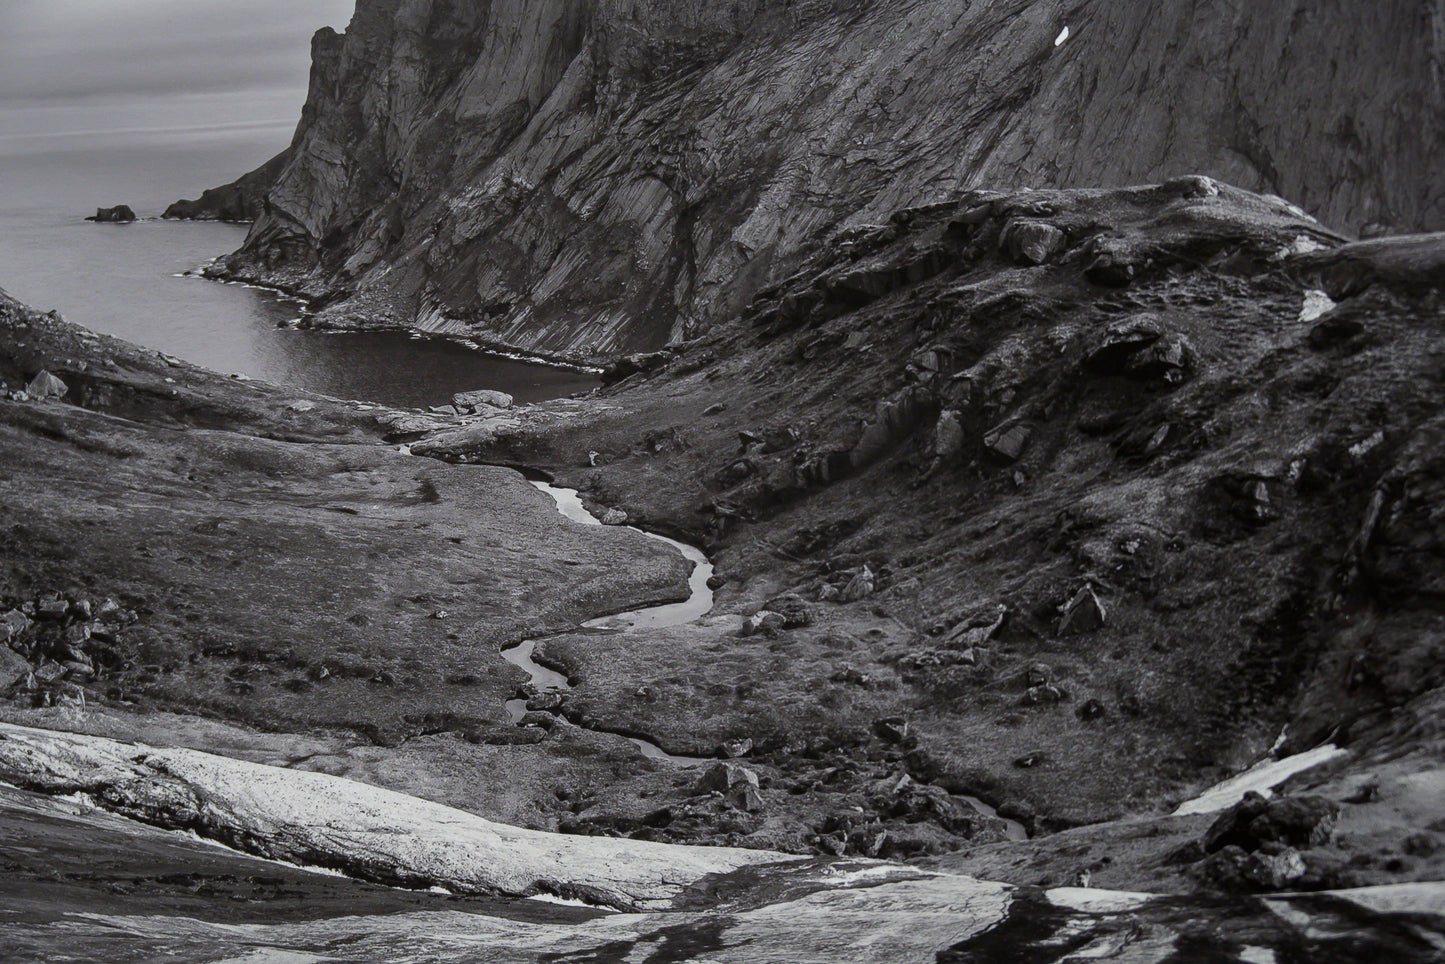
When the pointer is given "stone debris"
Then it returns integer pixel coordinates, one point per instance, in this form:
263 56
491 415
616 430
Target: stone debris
861 586
1009 439
45 385
481 399
1084 613
723 777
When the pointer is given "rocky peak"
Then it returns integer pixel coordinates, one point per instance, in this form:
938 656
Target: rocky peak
598 178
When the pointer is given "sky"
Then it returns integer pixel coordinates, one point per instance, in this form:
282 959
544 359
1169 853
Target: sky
145 68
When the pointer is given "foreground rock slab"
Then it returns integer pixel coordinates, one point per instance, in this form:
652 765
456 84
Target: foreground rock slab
704 904
368 832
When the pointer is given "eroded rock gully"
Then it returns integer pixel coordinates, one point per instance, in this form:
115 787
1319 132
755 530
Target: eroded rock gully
592 178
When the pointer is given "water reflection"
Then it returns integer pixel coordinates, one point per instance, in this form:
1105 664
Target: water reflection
130 281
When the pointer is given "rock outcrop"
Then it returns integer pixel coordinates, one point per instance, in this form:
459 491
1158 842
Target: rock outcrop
242 200
120 214
596 178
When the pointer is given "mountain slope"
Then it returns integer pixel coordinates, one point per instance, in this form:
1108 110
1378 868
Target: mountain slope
589 178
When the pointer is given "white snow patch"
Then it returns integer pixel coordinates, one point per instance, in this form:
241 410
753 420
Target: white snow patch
1063 35
1262 778
1316 303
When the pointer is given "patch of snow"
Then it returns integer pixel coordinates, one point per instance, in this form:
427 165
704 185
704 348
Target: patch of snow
1262 778
1091 900
1316 303
1063 35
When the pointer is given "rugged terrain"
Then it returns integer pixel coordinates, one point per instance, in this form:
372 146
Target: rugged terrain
1036 509
588 177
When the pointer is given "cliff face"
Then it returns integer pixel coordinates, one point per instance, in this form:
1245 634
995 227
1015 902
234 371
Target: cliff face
596 176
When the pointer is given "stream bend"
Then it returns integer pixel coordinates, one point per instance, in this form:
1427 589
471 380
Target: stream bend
697 605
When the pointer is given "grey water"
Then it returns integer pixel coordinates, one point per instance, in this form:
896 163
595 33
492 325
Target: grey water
121 279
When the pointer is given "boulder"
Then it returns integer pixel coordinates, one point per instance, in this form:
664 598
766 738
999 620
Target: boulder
13 668
722 777
51 607
948 435
46 385
859 587
1233 869
634 364
1009 439
1291 821
1031 242
892 729
794 610
732 749
1120 341
614 517
763 623
1170 359
119 214
12 625
744 796
470 401
1082 614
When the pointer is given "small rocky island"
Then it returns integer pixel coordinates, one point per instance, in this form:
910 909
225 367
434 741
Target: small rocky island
1076 549
120 214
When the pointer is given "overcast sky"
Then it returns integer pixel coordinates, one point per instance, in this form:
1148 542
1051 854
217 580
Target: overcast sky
81 66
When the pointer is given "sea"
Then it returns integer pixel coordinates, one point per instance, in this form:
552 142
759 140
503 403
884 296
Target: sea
132 281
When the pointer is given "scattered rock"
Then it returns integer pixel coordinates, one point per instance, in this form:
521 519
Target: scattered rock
1120 341
1082 614
1048 693
716 582
859 587
892 729
1255 820
45 385
714 409
1009 439
764 623
722 777
614 517
470 401
732 749
12 624
1031 242
948 435
1038 674
51 607
546 702
1091 710
794 610
744 796
301 405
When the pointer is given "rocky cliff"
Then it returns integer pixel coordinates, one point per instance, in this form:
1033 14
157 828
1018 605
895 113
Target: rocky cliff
591 176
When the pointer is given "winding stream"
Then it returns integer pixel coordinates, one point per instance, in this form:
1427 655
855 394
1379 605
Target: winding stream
697 604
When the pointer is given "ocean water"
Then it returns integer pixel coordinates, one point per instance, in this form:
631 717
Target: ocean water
121 279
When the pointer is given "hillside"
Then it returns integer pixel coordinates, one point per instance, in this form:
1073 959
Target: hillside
589 178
